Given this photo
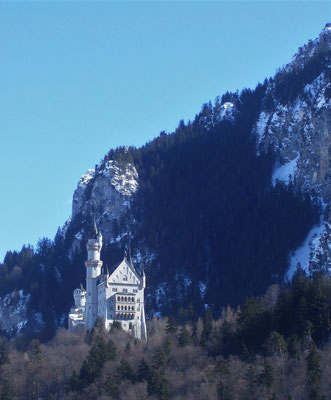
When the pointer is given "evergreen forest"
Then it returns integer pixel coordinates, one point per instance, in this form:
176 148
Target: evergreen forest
270 347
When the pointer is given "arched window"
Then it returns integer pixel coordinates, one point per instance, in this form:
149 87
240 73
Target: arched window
121 307
125 299
125 308
118 298
118 307
133 299
122 298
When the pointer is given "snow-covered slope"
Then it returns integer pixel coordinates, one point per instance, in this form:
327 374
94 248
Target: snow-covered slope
299 131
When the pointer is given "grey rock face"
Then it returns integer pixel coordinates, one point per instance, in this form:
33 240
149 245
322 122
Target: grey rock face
106 194
13 311
302 128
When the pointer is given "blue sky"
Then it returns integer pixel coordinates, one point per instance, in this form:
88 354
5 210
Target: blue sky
79 78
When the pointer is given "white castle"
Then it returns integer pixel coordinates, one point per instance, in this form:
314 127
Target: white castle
112 297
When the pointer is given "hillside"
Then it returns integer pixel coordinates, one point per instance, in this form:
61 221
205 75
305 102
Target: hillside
213 211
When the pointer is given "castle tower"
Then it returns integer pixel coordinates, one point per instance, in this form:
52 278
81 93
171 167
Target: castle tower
93 273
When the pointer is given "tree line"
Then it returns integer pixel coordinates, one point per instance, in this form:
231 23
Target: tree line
271 347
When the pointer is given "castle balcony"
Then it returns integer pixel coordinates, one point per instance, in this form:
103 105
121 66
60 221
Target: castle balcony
124 316
125 306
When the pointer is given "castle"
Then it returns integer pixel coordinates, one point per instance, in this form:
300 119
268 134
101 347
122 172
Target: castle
112 297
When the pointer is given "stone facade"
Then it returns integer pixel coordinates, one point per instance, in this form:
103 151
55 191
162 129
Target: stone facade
112 297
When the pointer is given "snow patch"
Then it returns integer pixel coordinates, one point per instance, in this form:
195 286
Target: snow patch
84 180
284 172
227 111
228 105
79 236
123 179
202 288
302 253
261 125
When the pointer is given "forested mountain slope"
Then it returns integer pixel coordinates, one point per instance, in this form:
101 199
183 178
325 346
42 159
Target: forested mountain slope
212 211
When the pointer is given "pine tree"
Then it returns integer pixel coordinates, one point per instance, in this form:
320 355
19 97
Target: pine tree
125 372
110 351
184 338
158 383
144 371
92 366
171 327
7 392
314 372
275 345
250 378
111 387
4 355
266 378
207 327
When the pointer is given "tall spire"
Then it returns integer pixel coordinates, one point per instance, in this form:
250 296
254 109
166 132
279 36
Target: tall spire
130 259
95 226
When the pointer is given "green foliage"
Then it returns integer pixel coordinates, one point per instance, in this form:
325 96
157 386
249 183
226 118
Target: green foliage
4 359
159 360
184 338
98 355
116 325
125 372
266 378
35 352
110 351
251 379
313 372
111 387
275 344
144 371
207 327
7 392
172 325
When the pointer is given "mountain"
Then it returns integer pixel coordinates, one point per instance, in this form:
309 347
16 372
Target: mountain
220 209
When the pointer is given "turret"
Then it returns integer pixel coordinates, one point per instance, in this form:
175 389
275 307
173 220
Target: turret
93 272
143 278
80 298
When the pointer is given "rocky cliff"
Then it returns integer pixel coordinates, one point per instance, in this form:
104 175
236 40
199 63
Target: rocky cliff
299 131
